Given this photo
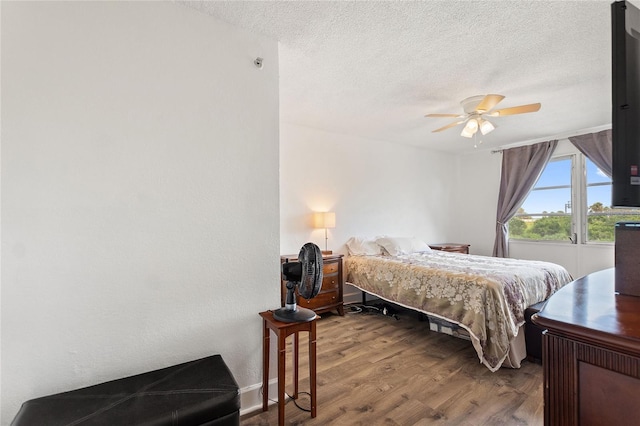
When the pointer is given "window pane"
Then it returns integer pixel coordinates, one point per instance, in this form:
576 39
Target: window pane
548 201
601 226
595 175
601 218
598 198
556 173
546 213
539 227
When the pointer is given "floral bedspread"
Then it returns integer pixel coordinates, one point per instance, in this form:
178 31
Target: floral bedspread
484 295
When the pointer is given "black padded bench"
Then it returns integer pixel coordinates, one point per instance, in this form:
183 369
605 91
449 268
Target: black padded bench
200 392
533 333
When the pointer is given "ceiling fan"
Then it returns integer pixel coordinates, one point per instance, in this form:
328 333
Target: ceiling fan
476 109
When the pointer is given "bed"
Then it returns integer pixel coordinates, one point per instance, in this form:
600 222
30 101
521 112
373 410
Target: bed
484 296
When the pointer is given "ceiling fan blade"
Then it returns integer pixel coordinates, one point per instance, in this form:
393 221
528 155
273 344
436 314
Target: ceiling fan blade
515 110
488 103
442 115
448 126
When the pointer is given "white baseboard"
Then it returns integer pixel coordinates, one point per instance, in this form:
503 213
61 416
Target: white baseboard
251 397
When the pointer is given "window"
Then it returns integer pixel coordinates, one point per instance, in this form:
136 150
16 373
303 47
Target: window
571 194
546 213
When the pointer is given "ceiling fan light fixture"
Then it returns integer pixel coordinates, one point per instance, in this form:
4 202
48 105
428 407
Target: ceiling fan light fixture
467 134
470 128
486 127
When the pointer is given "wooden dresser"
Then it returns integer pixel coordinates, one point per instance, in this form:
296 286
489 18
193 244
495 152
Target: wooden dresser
591 353
451 247
330 295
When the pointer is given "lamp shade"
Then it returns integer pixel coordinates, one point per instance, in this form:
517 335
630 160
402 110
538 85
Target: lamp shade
324 220
470 128
486 127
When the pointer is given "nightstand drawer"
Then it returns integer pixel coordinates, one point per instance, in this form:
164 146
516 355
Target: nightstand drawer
320 301
329 283
330 268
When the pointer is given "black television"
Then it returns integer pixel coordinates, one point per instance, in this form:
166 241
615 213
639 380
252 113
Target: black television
625 77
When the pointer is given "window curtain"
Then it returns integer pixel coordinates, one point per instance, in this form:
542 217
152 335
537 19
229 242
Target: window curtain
597 147
521 168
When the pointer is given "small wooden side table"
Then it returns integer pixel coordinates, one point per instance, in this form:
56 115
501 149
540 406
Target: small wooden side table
282 330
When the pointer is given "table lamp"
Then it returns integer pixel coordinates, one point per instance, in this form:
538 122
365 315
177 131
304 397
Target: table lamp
324 220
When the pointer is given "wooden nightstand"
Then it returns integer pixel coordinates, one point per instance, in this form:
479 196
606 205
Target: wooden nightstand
451 247
330 295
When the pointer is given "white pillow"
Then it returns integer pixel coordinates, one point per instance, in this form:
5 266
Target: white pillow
360 246
419 246
403 245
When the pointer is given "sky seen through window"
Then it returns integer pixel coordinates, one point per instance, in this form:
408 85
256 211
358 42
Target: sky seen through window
558 173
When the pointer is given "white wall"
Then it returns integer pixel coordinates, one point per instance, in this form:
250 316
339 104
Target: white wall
373 187
579 259
476 199
139 193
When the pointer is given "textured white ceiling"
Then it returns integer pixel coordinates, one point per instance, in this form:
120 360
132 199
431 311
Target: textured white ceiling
374 69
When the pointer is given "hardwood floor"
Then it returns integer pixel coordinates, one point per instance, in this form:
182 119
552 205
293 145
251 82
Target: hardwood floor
376 370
